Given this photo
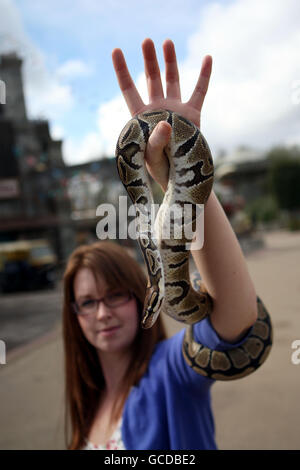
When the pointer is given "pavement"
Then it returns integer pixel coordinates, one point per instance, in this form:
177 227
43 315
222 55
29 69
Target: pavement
261 411
26 316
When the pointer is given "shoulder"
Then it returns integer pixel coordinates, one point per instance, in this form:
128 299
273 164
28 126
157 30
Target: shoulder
168 370
168 384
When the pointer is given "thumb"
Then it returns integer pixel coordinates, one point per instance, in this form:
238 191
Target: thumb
157 141
156 161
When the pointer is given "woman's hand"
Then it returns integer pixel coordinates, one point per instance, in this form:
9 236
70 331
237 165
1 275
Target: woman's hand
156 161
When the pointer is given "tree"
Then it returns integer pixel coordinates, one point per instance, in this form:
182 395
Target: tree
284 177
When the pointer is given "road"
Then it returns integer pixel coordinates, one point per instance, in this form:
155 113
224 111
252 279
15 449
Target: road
261 411
26 316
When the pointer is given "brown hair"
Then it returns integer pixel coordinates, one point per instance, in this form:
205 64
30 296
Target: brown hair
84 378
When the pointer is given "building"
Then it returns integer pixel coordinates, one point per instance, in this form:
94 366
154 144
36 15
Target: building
90 185
34 202
41 197
244 173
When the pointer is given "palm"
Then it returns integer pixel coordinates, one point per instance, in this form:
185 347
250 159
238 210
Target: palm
156 162
184 109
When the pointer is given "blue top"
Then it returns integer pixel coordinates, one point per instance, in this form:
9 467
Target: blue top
170 408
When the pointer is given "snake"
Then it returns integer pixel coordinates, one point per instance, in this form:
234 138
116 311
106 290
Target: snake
166 246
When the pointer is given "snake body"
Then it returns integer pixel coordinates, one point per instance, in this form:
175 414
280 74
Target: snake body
169 288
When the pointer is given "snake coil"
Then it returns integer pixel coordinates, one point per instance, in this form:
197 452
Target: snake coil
165 252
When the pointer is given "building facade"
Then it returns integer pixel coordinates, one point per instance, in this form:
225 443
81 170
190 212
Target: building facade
34 202
41 197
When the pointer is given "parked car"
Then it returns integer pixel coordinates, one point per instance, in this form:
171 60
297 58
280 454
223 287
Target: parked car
27 265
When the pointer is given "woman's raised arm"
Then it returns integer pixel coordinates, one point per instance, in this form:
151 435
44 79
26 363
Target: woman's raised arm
220 261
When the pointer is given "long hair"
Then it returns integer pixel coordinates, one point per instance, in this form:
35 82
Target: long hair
84 379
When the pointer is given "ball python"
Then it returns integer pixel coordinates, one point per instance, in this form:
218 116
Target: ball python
169 287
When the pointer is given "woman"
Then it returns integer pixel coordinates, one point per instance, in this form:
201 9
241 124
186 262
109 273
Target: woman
157 400
102 365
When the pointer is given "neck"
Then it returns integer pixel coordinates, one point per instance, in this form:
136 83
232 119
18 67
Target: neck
114 366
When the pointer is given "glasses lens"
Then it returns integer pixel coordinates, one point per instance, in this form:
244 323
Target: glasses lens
117 299
85 307
90 306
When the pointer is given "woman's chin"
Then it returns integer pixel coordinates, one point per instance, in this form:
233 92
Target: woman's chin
110 346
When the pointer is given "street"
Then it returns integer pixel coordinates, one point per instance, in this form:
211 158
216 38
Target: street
261 411
26 316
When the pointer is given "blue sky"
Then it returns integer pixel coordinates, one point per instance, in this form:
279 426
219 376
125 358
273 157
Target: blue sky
69 78
89 30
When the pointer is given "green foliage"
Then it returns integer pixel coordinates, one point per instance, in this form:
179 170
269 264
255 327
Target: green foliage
284 176
293 224
264 209
282 153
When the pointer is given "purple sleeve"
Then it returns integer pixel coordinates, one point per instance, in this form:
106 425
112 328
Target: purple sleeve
205 334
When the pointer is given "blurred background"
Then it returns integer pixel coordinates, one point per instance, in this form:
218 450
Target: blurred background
60 115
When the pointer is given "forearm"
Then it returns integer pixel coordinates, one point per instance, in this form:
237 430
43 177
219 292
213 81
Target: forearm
223 269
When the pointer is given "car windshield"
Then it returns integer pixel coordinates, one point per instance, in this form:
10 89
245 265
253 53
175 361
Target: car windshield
40 251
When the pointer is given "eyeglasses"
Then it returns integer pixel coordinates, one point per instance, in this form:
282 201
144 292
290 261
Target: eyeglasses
91 306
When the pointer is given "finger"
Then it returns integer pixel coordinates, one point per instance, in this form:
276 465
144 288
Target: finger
158 139
154 84
172 75
201 87
156 161
126 84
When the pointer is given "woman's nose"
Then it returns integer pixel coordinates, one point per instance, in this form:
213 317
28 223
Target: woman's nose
102 311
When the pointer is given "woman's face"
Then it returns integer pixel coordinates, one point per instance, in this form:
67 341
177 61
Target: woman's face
96 326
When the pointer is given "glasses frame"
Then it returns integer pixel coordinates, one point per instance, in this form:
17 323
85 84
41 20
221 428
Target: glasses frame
102 299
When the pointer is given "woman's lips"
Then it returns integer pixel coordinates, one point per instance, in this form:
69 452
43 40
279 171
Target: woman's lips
109 331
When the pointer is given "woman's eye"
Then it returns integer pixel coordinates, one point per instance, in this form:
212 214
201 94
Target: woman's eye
88 303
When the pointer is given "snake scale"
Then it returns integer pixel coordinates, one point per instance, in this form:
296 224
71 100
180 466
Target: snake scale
169 288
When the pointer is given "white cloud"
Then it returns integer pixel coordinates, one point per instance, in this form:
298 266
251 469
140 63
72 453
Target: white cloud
48 100
111 118
89 148
72 69
251 100
45 96
57 132
255 47
113 115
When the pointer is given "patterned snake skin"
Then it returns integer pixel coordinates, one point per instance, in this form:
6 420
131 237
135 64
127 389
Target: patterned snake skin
165 243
